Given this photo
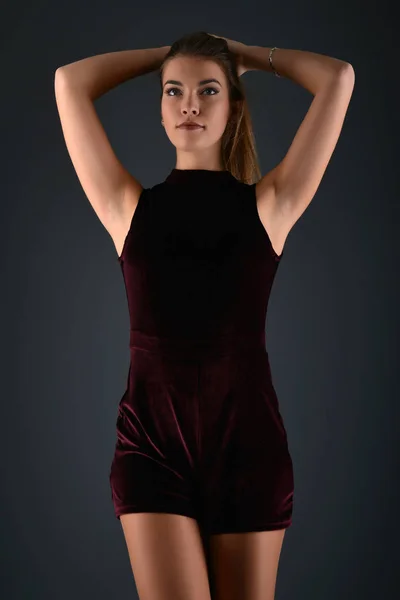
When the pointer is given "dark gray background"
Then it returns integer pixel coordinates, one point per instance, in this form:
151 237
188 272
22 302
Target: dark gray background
332 326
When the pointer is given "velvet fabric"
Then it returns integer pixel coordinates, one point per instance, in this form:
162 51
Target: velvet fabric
199 431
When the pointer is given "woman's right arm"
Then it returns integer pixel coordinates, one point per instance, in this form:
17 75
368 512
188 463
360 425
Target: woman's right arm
111 190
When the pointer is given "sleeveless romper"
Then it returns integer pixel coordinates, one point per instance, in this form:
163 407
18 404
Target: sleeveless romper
199 432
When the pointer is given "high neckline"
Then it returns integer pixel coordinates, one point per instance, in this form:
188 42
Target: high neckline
197 176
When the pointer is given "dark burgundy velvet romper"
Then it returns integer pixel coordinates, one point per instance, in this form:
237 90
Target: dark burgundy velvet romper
199 431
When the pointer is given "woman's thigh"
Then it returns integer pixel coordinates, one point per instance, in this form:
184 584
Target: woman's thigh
245 565
167 556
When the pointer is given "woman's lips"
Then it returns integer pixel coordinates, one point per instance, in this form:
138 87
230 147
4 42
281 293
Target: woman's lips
190 127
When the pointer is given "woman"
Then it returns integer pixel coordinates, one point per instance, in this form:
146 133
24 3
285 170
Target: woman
202 478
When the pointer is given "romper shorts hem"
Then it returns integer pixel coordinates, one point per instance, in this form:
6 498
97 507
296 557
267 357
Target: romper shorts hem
252 528
187 512
147 508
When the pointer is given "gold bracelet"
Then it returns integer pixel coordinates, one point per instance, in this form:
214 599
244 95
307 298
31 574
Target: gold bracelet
270 61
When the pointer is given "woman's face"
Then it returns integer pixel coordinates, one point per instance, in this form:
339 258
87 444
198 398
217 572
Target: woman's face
204 103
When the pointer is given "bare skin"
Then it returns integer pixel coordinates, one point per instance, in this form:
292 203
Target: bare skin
168 556
245 565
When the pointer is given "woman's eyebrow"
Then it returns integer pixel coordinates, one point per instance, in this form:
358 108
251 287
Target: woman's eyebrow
202 82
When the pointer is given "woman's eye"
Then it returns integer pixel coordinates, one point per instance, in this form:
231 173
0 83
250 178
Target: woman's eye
212 89
206 89
170 90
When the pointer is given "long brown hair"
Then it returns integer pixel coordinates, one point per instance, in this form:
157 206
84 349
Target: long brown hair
238 148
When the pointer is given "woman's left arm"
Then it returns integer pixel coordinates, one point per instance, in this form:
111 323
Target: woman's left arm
331 81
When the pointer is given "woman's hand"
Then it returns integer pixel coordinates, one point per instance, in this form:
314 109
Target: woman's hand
238 49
